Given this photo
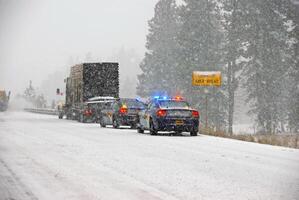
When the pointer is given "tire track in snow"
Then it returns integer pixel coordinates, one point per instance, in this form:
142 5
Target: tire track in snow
11 187
141 193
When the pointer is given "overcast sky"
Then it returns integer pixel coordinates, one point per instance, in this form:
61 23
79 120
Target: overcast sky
37 37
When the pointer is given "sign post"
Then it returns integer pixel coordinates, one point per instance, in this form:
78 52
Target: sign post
205 79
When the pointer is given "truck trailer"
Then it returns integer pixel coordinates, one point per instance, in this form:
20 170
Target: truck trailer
87 81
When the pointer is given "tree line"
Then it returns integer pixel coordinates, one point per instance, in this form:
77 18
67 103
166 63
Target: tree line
253 43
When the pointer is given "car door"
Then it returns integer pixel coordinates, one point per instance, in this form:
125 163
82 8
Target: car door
142 117
109 112
106 107
147 114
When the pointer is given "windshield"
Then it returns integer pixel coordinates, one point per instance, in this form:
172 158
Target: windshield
173 104
133 103
101 105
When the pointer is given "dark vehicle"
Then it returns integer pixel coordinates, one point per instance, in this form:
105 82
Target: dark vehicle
164 114
122 112
89 82
91 110
87 113
4 98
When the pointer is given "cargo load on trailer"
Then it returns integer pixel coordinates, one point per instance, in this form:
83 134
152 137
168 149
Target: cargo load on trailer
87 82
4 98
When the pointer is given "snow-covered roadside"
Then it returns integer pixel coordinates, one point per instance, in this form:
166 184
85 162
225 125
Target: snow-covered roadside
60 159
244 129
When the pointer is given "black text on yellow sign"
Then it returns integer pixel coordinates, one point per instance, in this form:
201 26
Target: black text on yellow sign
203 78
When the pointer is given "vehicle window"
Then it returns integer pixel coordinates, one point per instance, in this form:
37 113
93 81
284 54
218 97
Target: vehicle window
132 103
107 105
173 104
93 106
115 106
152 106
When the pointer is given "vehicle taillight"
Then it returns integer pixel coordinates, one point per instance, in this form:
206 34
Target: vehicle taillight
195 114
87 112
123 110
161 113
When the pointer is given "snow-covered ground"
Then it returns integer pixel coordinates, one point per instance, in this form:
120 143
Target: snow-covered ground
42 157
244 128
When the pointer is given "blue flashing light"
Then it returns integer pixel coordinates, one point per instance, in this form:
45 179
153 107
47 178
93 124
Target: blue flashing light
160 97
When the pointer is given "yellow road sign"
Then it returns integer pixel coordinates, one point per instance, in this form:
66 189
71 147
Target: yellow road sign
206 78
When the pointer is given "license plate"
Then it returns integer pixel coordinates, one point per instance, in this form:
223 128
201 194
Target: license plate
179 122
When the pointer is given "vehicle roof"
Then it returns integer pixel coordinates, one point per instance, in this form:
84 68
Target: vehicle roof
128 99
95 102
156 100
101 98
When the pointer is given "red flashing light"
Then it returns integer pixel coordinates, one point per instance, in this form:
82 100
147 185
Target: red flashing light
123 109
161 113
195 114
178 98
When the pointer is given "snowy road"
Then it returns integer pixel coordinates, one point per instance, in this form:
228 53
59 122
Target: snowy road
42 157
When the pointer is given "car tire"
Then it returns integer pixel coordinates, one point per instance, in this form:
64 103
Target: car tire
153 131
115 124
82 119
140 130
133 126
102 123
193 133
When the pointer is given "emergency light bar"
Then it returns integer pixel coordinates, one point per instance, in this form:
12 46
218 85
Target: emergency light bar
177 98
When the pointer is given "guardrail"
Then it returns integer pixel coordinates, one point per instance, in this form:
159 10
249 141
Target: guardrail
46 111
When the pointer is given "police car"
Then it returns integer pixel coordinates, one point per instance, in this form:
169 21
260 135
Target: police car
168 114
122 112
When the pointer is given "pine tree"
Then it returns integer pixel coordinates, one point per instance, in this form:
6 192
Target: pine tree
265 71
200 41
233 23
290 10
159 64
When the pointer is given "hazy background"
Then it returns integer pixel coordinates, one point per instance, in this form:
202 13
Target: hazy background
41 39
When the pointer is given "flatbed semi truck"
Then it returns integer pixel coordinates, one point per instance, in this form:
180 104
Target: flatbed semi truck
87 81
